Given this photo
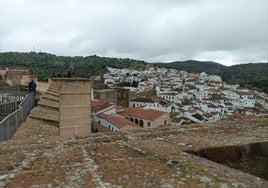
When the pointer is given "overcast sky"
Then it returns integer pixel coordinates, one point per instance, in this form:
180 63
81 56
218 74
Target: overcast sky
225 31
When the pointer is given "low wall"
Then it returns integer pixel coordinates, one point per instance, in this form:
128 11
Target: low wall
251 158
42 86
96 127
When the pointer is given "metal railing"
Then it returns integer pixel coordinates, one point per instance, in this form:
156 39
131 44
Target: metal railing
7 108
10 124
27 104
9 103
7 97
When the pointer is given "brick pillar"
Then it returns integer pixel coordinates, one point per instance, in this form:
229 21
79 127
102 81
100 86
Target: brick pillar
75 106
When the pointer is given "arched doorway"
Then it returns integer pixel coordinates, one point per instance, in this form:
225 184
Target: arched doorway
141 123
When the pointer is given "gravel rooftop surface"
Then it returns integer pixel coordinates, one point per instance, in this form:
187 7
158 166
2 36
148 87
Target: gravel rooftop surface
37 157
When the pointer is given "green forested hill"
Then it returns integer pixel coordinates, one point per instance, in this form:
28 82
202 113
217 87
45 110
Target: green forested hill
44 64
194 66
252 75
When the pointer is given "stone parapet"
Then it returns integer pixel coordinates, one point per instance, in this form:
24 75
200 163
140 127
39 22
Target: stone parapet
75 106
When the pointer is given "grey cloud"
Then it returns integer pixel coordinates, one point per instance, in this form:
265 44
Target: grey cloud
154 30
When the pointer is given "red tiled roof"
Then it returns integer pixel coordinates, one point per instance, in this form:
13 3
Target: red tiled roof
142 100
252 116
98 105
104 116
118 121
157 99
214 113
208 115
148 114
198 116
241 93
212 106
119 108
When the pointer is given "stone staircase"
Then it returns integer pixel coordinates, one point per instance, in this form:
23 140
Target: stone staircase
43 120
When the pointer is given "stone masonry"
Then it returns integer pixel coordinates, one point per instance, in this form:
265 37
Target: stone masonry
74 104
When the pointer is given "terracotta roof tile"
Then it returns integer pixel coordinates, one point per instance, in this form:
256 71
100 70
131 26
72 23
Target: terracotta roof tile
118 121
142 113
98 105
121 122
208 115
142 100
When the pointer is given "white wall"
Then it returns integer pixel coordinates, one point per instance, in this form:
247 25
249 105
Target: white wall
105 123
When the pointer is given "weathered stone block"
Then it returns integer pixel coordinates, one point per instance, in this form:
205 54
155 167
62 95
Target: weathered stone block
68 131
84 130
75 111
70 100
73 85
68 111
83 111
74 121
85 99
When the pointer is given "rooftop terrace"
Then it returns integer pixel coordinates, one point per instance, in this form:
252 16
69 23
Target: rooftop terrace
162 157
185 156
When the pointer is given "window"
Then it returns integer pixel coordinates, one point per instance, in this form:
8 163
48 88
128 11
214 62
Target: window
148 124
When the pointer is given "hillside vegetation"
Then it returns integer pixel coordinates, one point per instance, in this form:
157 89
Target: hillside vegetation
254 76
194 66
44 64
